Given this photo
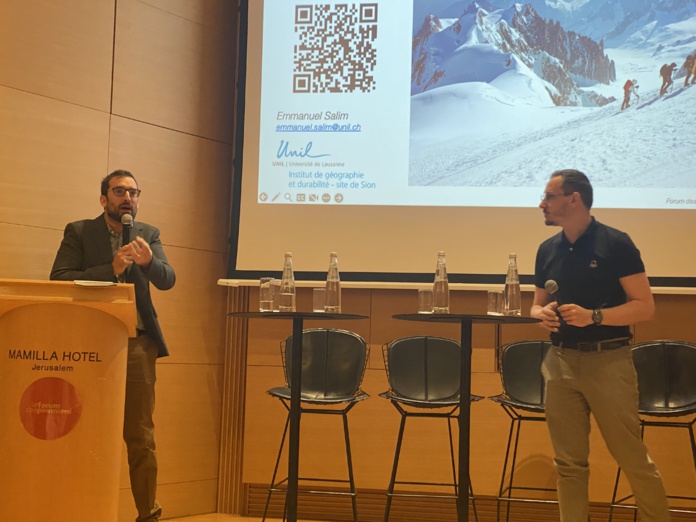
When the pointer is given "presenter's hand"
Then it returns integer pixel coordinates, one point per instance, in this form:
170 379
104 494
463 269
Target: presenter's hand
575 315
122 260
140 252
548 316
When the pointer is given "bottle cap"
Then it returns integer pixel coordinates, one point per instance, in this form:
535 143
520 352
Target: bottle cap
333 254
288 254
441 253
512 255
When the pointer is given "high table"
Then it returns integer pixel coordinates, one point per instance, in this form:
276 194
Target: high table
296 380
466 321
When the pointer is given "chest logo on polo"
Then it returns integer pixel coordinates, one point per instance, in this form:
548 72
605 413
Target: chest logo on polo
593 263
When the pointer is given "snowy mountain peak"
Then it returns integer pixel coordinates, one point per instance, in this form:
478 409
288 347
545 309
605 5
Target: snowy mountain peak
444 54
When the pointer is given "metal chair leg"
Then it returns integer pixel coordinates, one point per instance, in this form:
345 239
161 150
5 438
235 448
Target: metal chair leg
503 488
454 468
275 469
349 458
392 481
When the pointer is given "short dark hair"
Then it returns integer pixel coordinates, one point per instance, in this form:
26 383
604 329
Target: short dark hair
115 174
575 181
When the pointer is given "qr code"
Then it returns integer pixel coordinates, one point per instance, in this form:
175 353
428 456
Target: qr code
335 50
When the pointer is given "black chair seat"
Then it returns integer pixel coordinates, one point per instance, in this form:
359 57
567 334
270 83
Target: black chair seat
680 411
283 392
520 405
422 403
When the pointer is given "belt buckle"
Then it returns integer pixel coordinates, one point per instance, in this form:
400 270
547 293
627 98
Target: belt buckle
600 345
612 344
590 346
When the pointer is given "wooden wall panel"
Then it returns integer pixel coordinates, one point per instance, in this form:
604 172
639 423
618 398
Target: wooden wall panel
27 252
185 181
186 498
218 15
188 409
192 314
674 315
231 490
52 158
59 50
174 65
59 137
177 500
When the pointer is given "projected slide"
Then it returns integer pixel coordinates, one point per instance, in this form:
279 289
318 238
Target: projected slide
456 103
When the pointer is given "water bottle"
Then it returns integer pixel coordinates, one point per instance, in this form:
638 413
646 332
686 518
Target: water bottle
512 297
287 286
333 286
441 286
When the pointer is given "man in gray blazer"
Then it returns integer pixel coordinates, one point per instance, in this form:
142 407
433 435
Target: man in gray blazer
92 249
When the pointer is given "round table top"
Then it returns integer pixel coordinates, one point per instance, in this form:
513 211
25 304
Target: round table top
296 315
474 318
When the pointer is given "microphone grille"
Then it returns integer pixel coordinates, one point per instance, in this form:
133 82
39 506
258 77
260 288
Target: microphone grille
127 220
551 286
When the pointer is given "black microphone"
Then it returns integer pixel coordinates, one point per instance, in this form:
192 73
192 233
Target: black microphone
551 287
127 222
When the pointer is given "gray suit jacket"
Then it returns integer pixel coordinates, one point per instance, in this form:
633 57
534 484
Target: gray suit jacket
85 253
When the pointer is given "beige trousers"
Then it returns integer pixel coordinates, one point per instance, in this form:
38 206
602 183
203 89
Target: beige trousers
605 384
138 427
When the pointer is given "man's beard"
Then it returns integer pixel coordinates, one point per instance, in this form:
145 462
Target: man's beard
116 216
115 213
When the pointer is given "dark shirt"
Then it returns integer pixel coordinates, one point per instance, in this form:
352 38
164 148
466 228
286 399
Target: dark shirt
588 273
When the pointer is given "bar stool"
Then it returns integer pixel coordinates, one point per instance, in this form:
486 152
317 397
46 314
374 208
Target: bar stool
523 399
667 389
424 382
333 366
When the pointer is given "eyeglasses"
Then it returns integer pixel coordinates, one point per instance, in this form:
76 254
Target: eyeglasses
119 192
549 197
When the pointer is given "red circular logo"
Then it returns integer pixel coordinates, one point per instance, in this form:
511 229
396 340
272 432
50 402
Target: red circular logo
50 408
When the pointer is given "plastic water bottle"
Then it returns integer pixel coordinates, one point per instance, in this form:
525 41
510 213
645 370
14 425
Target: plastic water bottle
441 286
287 286
333 286
512 297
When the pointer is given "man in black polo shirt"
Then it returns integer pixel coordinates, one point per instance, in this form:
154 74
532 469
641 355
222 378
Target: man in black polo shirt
600 289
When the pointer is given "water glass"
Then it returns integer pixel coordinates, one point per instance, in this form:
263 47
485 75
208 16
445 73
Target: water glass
275 293
318 299
265 294
425 300
495 302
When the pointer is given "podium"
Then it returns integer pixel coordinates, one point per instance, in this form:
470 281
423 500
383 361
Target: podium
63 353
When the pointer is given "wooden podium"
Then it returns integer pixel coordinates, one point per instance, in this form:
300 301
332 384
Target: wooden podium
63 352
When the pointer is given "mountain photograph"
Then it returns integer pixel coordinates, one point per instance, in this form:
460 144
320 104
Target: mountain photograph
504 93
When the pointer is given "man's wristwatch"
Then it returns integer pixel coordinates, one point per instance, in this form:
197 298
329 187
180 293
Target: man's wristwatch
597 316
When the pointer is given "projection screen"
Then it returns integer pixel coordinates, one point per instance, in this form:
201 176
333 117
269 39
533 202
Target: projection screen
387 130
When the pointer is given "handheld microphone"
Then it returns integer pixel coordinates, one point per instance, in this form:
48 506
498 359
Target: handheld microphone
551 287
127 222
